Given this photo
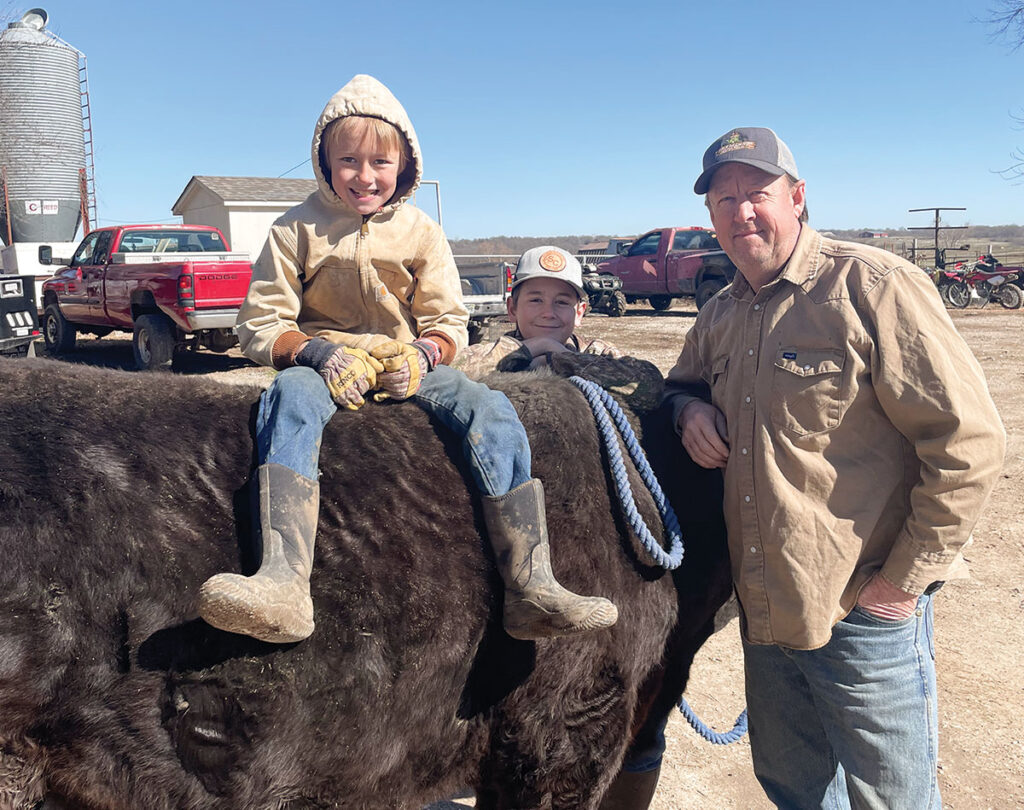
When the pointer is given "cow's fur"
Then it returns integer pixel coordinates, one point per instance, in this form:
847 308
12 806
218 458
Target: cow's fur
120 493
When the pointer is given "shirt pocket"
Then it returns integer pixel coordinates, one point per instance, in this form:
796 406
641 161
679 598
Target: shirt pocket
719 379
807 390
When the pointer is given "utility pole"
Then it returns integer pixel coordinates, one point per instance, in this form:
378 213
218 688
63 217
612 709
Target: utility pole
939 261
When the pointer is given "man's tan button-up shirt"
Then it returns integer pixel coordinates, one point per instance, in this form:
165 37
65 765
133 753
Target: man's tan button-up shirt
862 437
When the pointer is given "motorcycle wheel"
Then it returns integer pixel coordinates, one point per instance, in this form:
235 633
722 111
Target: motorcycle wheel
944 294
617 305
1010 296
959 294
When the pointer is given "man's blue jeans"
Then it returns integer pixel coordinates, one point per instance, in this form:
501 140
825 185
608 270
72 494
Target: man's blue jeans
297 406
852 724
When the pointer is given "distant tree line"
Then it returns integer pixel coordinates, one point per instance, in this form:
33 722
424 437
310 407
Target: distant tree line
976 235
514 245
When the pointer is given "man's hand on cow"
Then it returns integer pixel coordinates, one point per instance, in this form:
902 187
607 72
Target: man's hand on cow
883 600
348 372
405 365
704 434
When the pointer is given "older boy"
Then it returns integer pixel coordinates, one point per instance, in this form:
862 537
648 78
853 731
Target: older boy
356 292
546 305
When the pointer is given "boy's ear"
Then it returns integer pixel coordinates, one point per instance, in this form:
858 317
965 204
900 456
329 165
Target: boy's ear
581 309
510 308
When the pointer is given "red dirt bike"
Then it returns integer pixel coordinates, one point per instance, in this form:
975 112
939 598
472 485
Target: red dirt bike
944 279
989 282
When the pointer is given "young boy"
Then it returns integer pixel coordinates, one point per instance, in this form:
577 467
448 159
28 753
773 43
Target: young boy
546 305
356 292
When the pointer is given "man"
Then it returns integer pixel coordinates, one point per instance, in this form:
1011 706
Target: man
859 443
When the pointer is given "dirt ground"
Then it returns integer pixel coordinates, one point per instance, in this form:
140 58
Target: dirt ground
979 633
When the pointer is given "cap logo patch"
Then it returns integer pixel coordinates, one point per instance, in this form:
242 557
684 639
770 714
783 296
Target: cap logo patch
552 261
732 142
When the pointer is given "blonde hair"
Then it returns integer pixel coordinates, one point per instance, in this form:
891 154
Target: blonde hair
359 129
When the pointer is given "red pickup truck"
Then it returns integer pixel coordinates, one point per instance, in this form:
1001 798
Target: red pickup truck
670 263
175 287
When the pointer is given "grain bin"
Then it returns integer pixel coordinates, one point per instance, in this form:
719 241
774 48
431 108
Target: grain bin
42 148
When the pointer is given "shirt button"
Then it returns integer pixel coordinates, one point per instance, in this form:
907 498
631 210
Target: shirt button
753 549
756 307
744 451
807 368
746 498
747 400
750 352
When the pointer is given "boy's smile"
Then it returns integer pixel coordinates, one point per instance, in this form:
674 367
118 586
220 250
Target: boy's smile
364 174
546 307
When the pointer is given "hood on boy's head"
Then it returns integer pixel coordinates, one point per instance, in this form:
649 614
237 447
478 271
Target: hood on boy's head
364 95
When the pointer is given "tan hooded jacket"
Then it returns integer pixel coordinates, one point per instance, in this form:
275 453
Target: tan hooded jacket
326 271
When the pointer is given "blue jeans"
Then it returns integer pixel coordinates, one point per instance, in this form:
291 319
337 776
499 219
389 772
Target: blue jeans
852 724
297 406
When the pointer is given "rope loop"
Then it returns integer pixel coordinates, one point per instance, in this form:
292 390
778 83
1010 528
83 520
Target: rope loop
606 411
714 737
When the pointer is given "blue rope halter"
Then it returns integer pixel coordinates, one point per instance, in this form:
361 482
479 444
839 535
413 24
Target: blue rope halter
606 411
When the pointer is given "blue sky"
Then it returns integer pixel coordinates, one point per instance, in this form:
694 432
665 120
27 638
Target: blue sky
547 118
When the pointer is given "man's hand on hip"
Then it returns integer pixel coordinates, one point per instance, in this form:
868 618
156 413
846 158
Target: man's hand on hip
704 434
882 599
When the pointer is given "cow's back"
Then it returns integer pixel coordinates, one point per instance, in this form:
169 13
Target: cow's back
121 493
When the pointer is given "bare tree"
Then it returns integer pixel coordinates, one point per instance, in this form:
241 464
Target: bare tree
1007 19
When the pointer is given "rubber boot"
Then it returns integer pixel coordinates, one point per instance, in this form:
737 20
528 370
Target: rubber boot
273 604
536 606
631 791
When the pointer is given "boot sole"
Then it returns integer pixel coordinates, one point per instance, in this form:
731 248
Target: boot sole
528 621
263 613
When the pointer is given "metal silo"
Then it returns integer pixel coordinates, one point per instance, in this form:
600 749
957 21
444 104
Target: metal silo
42 147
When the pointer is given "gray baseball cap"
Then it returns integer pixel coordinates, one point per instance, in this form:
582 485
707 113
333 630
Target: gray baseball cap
548 261
755 146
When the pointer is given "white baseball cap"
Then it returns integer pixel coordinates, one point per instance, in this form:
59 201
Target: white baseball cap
548 261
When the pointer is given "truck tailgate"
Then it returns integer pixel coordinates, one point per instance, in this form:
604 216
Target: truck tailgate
220 284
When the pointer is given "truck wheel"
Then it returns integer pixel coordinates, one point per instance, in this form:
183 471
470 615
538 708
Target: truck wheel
707 290
153 342
476 332
616 305
59 333
660 302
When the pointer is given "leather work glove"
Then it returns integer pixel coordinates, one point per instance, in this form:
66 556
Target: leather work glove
349 373
405 364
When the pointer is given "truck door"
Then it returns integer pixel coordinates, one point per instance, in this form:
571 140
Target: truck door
638 268
681 262
92 277
75 301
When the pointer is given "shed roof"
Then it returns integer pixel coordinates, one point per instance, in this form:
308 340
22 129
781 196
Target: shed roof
251 189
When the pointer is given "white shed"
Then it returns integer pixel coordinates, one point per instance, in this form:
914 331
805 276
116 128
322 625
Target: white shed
243 208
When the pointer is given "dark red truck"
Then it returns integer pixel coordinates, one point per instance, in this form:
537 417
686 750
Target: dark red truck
670 263
175 287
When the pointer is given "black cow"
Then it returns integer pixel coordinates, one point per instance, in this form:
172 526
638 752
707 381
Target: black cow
120 493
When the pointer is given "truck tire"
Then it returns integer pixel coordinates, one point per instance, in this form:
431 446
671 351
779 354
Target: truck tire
617 305
58 333
707 290
153 342
660 302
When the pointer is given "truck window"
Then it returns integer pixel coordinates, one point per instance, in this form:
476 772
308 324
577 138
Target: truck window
688 240
161 241
647 245
85 250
